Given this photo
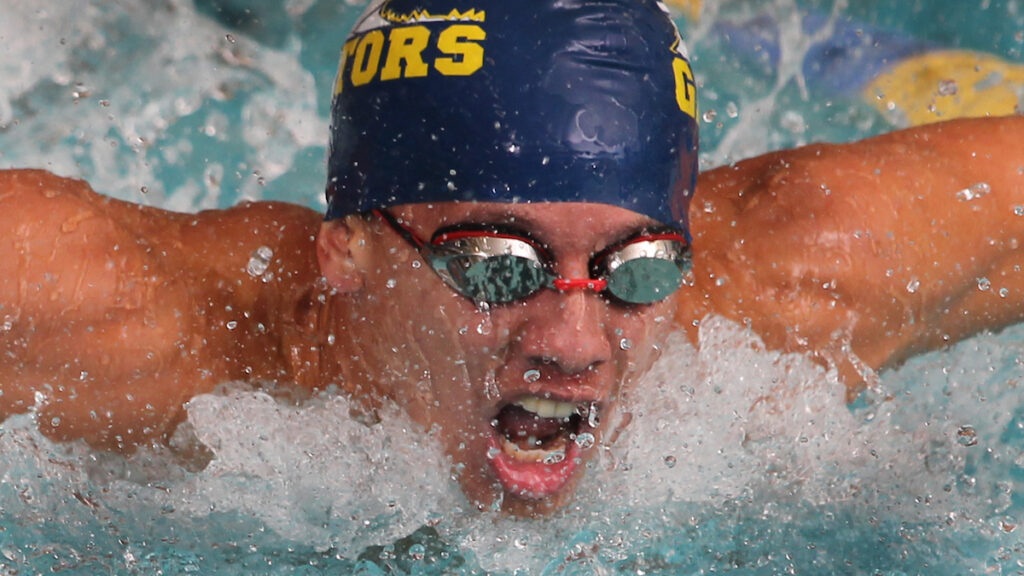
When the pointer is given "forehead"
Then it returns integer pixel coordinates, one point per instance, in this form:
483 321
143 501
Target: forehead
554 223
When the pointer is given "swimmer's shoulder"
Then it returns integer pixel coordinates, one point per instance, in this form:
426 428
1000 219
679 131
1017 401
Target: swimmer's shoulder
882 240
930 162
212 241
255 247
254 255
155 306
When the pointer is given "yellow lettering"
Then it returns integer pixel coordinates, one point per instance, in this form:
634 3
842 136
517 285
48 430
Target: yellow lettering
460 40
365 66
686 87
348 50
406 45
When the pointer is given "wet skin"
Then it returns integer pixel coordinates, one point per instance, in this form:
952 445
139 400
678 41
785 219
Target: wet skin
118 314
872 248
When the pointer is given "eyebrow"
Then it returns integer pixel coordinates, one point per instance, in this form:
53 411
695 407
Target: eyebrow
530 228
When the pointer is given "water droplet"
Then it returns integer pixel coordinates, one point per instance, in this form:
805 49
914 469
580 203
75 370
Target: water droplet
232 325
709 115
545 161
731 110
947 87
531 376
554 457
520 543
1018 210
391 283
1003 292
984 284
593 419
417 552
259 261
491 391
416 264
484 327
973 192
585 440
625 344
670 461
331 338
230 38
492 453
967 436
55 421
512 148
913 285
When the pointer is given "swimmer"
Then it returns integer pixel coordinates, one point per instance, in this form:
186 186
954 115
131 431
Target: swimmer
509 202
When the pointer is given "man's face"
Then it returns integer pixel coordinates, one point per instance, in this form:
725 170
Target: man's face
516 392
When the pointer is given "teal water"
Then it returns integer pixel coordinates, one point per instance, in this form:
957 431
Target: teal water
191 105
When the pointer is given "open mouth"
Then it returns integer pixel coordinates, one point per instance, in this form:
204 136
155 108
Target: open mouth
538 444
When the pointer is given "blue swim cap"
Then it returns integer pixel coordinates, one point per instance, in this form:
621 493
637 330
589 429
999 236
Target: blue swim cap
514 101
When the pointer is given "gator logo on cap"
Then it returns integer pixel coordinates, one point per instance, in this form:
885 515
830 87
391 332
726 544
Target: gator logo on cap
686 85
470 15
392 43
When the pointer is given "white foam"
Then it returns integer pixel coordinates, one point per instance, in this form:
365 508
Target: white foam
106 112
312 475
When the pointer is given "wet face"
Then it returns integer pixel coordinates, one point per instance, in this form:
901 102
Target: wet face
515 392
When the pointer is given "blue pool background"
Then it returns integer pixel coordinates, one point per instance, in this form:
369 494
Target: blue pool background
193 105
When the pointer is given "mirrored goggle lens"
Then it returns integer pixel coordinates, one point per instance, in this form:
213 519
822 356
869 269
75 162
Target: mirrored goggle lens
493 279
644 280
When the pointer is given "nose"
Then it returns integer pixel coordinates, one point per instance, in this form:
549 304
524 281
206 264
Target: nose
567 330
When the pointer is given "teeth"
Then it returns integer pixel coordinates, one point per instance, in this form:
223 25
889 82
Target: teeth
553 455
547 408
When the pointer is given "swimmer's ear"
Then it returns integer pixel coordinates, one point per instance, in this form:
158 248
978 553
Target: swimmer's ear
338 249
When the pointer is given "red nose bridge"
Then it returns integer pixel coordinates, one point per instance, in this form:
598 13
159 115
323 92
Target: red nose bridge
597 285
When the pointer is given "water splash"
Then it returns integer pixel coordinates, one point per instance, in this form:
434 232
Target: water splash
728 439
259 261
973 192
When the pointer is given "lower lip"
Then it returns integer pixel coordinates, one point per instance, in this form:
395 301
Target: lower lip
533 480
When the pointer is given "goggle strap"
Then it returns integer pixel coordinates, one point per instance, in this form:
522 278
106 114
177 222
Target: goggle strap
400 228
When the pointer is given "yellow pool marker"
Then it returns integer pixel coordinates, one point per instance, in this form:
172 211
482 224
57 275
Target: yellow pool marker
949 84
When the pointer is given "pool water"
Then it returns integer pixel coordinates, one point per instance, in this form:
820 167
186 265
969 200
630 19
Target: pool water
192 105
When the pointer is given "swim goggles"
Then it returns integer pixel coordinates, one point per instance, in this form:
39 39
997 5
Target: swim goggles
492 266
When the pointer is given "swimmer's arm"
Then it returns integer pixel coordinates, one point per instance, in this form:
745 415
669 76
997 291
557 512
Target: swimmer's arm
965 230
96 333
885 247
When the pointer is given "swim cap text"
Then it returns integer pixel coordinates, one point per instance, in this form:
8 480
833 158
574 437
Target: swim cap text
376 56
